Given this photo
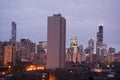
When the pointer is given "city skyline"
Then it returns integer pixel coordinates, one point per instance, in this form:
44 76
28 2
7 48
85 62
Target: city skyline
83 18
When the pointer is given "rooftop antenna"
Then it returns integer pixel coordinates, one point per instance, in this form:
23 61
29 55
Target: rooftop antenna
101 23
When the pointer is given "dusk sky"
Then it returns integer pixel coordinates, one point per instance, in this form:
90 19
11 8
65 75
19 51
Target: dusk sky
82 17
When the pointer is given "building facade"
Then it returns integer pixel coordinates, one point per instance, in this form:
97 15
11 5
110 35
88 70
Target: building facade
13 32
56 38
99 45
111 55
27 50
2 50
1 53
91 48
42 52
8 55
99 41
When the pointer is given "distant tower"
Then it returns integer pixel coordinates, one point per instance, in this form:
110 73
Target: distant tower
8 55
99 41
27 49
73 41
75 50
13 41
56 37
80 48
99 44
13 32
74 44
91 49
100 35
91 44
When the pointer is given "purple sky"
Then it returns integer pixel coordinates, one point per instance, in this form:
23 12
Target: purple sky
82 16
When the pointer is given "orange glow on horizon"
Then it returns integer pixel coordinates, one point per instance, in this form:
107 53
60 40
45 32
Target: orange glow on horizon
35 67
97 70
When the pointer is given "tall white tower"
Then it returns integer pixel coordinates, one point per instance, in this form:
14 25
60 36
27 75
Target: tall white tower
74 44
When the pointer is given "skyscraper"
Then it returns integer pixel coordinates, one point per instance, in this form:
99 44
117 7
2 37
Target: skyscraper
91 49
75 55
27 49
8 55
91 44
100 35
74 44
56 37
99 42
13 32
100 46
80 49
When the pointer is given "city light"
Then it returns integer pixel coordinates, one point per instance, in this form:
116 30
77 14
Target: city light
35 67
3 73
9 67
96 70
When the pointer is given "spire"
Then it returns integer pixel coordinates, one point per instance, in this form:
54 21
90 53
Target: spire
101 23
91 37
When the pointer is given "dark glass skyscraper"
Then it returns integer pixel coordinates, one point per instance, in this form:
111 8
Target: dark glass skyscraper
99 44
13 32
100 35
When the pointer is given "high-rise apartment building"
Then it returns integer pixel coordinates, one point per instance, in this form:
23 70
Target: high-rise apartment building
27 49
91 49
74 44
74 49
13 32
42 52
8 55
3 50
91 44
111 55
56 38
